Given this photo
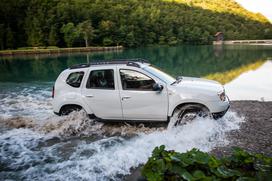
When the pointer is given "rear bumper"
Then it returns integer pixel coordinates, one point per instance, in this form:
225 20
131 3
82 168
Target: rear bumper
220 114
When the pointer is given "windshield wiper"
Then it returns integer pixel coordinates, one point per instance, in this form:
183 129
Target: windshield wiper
178 80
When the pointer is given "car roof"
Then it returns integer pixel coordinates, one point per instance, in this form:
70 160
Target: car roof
137 62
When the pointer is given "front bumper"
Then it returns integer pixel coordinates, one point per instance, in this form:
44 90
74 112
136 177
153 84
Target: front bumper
219 108
220 114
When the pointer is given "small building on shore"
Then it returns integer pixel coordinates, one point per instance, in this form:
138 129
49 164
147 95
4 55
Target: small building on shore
219 36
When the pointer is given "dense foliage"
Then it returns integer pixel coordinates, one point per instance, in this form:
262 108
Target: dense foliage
197 165
131 23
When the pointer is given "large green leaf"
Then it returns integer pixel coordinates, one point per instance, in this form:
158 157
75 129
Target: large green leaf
198 174
226 172
186 175
197 165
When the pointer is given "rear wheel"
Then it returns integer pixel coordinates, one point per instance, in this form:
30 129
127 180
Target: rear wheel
188 113
66 110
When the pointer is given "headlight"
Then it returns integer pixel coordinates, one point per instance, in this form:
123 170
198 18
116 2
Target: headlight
222 96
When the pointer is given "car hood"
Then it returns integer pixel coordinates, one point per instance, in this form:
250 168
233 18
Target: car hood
200 83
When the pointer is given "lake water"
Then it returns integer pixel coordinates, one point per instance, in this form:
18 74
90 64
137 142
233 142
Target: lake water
37 145
184 60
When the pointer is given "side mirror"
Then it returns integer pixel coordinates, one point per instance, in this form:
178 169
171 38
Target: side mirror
157 87
179 77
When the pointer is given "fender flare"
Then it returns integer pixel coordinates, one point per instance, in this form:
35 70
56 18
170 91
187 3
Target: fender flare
182 103
76 103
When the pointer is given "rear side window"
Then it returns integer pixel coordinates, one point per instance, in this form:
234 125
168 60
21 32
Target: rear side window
75 79
101 79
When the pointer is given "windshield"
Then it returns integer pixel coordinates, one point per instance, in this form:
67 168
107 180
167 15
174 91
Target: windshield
160 74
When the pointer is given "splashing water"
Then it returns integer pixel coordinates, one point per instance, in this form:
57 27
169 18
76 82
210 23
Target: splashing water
79 148
25 99
36 145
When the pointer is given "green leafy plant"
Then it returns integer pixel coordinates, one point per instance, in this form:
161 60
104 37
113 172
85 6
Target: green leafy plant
198 165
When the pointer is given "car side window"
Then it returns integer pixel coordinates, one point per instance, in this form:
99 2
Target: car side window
74 79
134 80
101 79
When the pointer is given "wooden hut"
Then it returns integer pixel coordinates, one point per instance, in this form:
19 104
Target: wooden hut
219 36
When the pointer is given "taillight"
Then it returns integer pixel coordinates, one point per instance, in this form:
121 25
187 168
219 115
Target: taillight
53 92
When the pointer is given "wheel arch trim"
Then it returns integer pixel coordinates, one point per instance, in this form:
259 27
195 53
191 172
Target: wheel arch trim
74 103
181 104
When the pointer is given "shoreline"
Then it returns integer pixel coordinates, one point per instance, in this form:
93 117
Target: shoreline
58 50
243 42
253 135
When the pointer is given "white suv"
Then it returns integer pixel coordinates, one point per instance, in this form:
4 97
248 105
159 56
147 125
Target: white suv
134 90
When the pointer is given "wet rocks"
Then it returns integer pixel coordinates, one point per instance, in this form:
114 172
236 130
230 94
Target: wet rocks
255 134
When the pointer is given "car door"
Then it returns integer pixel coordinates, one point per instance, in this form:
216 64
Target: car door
101 93
139 101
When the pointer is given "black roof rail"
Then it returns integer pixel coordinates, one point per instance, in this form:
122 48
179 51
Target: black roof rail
82 65
128 62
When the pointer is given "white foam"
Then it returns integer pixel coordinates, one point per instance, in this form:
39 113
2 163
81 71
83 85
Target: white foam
34 153
105 159
25 99
252 85
16 147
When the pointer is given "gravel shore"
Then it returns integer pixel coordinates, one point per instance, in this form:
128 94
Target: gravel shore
254 135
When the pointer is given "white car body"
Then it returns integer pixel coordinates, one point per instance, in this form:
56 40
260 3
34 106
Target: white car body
138 105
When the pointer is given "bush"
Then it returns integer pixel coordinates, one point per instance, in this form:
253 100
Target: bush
198 165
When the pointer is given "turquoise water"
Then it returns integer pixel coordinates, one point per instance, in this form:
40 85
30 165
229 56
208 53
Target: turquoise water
182 60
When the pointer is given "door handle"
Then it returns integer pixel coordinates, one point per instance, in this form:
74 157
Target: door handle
89 95
125 97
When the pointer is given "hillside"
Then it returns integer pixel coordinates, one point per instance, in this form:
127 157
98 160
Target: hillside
125 22
226 6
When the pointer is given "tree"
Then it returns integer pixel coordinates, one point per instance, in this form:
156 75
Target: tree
52 39
9 38
70 33
130 39
130 23
2 33
86 31
33 31
107 41
106 32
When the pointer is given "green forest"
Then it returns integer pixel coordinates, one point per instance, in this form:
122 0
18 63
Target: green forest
130 23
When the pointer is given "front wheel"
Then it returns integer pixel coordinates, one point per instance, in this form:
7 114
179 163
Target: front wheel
188 113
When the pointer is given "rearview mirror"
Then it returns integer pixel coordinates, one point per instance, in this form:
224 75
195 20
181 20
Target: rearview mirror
157 87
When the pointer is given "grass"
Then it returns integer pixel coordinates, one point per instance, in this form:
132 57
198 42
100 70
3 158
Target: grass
37 48
31 49
54 49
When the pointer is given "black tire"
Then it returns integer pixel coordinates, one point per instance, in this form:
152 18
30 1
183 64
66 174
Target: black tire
66 110
189 112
